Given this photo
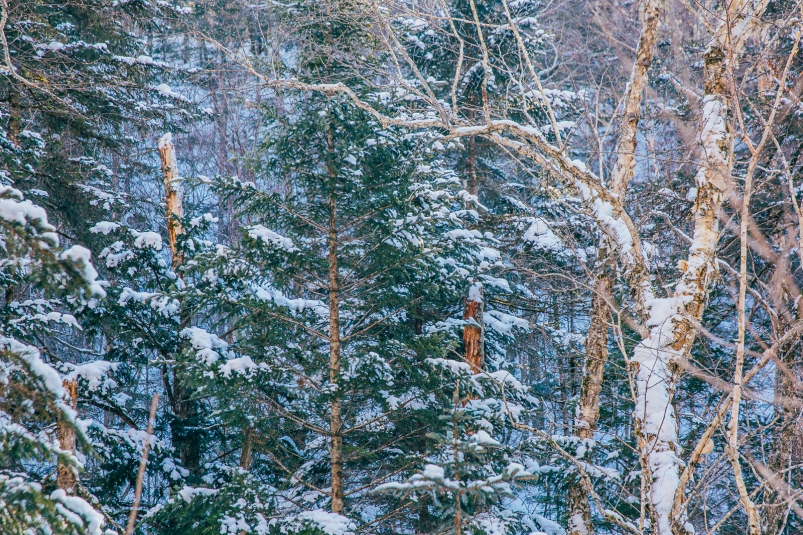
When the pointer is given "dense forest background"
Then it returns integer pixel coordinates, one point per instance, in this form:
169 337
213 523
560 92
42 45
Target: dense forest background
373 267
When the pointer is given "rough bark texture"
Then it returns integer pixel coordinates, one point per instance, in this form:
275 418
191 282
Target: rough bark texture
185 435
671 333
596 350
596 343
14 120
335 416
473 339
66 478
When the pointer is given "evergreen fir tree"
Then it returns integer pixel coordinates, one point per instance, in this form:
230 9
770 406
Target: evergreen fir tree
44 285
329 344
326 343
80 91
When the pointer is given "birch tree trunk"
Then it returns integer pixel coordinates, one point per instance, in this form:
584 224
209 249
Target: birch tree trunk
671 331
596 343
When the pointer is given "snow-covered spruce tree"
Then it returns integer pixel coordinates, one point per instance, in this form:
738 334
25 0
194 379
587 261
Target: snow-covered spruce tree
550 245
330 349
327 340
41 284
140 319
79 94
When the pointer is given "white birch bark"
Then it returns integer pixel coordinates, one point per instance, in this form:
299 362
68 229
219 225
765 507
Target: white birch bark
597 339
671 333
668 334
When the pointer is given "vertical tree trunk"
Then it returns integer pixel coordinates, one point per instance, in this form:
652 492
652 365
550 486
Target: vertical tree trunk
471 165
672 334
335 416
185 409
14 120
626 145
596 349
473 335
66 478
473 332
596 344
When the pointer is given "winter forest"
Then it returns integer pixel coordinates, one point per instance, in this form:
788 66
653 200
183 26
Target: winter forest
401 267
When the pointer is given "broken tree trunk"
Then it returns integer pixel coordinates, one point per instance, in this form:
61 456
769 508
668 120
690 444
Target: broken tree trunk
66 478
174 210
184 407
473 336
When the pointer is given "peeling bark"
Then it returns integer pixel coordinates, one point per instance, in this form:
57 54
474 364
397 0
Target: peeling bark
473 336
184 407
66 478
626 145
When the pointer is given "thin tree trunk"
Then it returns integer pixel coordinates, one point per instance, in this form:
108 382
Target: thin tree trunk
184 407
733 433
596 349
143 463
626 145
471 164
14 119
596 344
66 478
335 416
